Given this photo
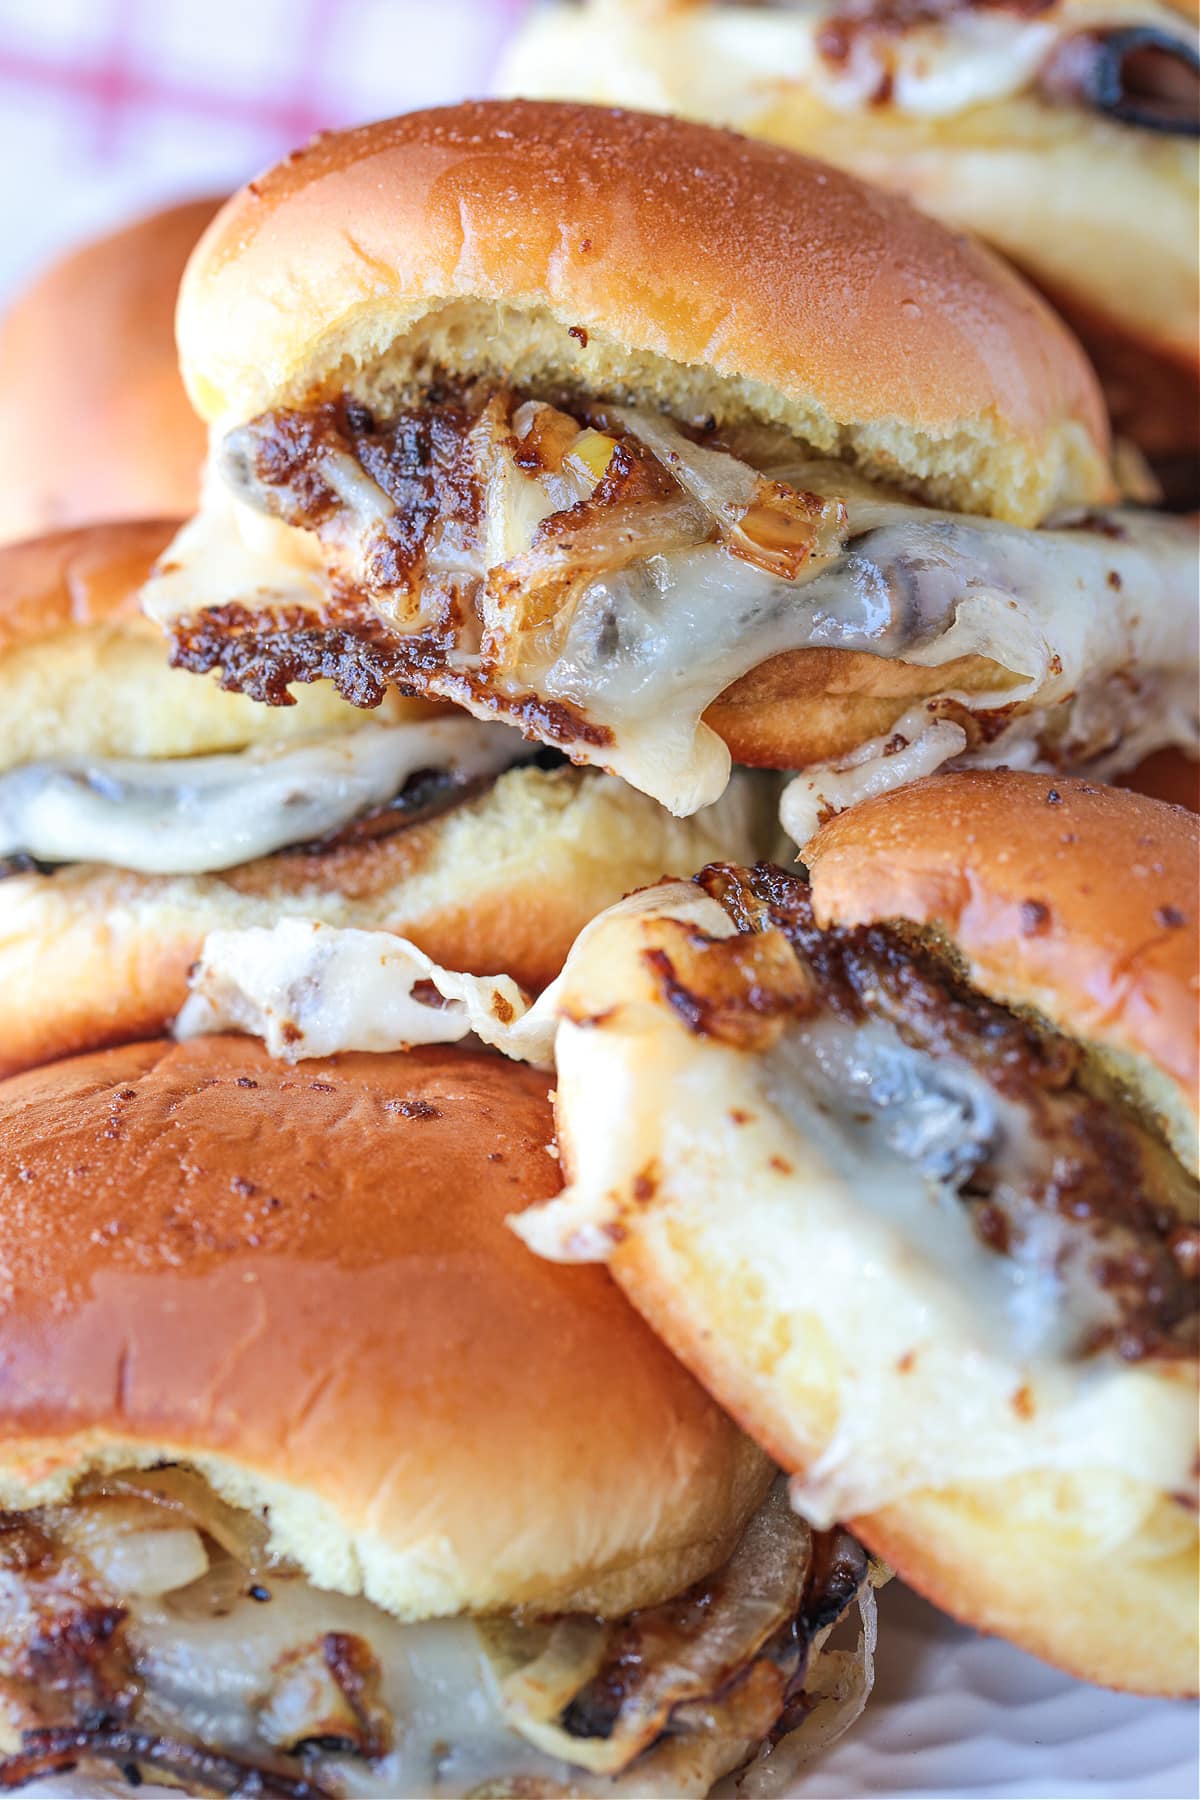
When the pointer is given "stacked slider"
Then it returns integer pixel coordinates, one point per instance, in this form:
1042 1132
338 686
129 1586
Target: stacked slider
901 1159
673 448
297 1496
605 467
322 1486
140 810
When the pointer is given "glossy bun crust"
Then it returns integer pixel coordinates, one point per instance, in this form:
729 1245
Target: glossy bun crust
1074 900
78 580
300 1280
94 421
623 253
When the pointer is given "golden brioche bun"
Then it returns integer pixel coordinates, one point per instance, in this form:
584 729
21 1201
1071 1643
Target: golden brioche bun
1076 901
94 422
1100 215
695 269
299 1281
501 883
84 673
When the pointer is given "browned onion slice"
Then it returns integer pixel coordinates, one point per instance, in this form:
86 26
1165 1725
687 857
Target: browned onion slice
686 1651
242 1535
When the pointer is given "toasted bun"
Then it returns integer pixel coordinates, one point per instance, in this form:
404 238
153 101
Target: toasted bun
502 883
706 273
1074 900
1025 1559
94 422
816 705
779 1257
84 673
300 1280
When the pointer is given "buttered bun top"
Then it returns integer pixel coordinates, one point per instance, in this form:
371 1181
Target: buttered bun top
300 1282
94 422
651 259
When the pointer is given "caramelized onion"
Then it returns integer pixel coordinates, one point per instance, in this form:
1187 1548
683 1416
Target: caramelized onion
664 1658
216 1593
531 592
242 1535
837 1685
766 522
608 540
1138 75
147 1560
200 1771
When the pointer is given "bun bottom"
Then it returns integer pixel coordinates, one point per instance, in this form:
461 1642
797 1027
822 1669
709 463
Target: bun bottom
813 706
1027 1558
502 883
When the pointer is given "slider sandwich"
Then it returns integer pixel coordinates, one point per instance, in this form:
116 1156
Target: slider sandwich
141 809
94 422
671 448
317 1484
900 1159
1062 131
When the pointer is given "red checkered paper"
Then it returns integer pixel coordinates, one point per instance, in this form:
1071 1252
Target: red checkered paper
109 108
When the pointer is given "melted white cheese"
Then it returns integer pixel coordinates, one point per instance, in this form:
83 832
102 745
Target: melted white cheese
1069 616
647 650
315 990
204 1677
1109 727
946 1361
189 815
308 990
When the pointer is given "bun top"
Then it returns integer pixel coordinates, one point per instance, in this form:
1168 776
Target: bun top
649 257
94 421
1077 901
300 1280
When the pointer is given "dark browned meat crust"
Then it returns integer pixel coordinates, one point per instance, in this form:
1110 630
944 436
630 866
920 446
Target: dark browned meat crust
418 457
262 653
